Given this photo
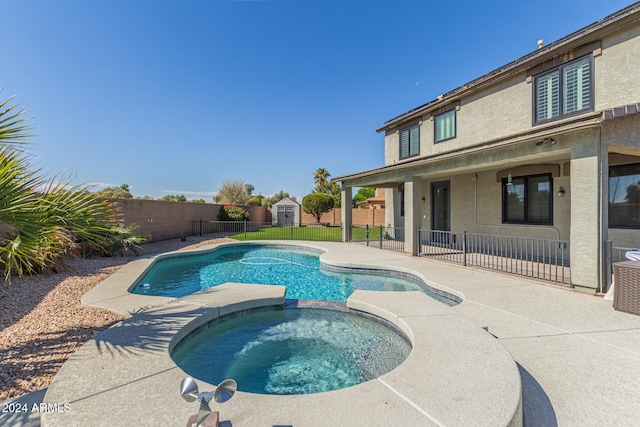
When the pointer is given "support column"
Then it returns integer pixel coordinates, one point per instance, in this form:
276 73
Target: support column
345 212
389 207
586 211
604 217
412 198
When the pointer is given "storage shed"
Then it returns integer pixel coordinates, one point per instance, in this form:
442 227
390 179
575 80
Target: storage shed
286 212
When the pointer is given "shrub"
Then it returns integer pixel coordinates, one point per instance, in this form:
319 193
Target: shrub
233 213
123 239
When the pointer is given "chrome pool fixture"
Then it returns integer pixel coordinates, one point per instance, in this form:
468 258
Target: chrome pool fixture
223 392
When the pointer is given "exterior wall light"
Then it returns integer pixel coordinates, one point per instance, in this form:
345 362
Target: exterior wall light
546 140
509 179
560 192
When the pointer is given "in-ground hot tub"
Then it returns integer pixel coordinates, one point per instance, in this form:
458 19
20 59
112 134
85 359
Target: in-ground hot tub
292 351
464 373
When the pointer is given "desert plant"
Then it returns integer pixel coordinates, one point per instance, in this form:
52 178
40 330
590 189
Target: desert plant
123 239
234 192
40 219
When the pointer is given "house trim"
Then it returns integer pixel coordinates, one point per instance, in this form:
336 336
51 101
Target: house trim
586 121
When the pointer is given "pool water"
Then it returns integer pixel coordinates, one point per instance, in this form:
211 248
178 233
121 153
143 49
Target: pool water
298 269
292 351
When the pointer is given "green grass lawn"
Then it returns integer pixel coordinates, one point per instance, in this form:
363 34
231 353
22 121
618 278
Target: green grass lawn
331 234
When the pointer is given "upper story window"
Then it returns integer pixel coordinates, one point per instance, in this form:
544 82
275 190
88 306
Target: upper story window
410 141
527 200
445 126
564 91
624 196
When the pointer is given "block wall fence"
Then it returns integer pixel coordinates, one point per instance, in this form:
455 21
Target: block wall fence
373 217
161 220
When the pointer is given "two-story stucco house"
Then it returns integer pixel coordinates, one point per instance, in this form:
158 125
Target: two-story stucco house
547 146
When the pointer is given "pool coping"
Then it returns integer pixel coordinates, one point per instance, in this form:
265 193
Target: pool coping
465 375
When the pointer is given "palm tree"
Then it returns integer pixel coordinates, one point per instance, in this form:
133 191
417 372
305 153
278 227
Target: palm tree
41 219
320 176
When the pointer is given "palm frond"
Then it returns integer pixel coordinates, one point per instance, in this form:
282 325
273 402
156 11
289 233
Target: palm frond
13 129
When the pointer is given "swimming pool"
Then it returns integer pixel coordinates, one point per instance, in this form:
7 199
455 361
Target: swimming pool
297 268
292 351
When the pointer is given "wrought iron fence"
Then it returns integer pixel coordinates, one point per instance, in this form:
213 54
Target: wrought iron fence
245 230
387 238
536 258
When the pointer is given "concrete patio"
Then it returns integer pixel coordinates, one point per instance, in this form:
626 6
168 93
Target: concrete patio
578 358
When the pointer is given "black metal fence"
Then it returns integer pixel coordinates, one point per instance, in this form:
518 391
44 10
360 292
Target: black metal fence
536 258
245 230
387 238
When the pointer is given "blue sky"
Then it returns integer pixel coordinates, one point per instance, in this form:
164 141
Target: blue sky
174 97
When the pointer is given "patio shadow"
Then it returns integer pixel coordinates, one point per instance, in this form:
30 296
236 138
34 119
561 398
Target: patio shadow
148 330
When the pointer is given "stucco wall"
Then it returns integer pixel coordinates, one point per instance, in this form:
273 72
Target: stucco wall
502 110
505 108
160 220
486 217
616 70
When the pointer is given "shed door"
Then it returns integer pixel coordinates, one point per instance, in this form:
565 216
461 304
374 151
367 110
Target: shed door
286 214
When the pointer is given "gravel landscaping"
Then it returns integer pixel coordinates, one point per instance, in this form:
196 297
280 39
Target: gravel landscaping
42 321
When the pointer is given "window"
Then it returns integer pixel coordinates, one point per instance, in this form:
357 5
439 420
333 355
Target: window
410 141
445 126
564 91
528 200
624 196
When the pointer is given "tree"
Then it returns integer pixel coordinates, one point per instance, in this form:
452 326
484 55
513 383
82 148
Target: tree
197 201
363 194
233 192
121 192
316 204
42 219
320 177
270 201
633 193
172 198
255 200
336 193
